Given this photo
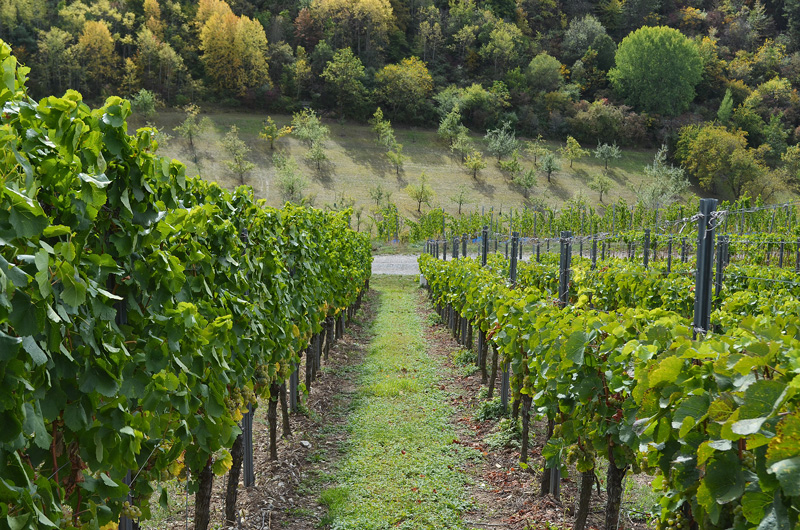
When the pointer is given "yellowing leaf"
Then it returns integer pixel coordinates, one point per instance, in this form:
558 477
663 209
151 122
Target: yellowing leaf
222 464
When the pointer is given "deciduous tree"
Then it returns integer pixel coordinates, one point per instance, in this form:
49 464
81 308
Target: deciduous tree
462 145
316 154
526 180
501 141
573 150
234 51
450 126
461 197
97 55
152 18
584 33
290 181
664 183
54 60
544 73
379 194
512 165
192 127
238 150
272 132
719 158
383 130
550 165
344 74
503 46
657 69
475 163
725 108
404 87
601 184
357 23
537 148
421 193
307 126
396 157
607 152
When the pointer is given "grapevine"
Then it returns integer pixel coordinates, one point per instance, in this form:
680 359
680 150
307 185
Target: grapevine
140 310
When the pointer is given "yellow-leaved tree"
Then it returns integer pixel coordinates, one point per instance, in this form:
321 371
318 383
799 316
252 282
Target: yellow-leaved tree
97 55
234 48
357 23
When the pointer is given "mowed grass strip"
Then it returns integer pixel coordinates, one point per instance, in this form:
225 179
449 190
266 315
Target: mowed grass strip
402 467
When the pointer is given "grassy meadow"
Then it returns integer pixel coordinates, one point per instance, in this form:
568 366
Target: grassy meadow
357 163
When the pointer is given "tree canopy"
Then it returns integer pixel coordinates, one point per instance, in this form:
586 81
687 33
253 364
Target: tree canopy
657 70
404 87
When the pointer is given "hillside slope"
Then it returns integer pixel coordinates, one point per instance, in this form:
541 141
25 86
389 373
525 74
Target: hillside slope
356 164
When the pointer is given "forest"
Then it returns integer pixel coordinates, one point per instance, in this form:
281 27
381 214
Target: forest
715 81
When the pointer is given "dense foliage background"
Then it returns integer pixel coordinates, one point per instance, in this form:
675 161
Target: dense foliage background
577 68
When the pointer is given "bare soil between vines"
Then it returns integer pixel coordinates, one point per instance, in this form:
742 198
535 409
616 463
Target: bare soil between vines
505 496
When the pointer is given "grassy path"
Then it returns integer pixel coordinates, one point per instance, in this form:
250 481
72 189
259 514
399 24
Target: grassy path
401 468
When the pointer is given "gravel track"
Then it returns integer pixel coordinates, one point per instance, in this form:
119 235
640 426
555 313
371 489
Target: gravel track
396 264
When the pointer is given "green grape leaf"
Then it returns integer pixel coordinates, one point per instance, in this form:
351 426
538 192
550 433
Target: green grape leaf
9 346
98 380
754 504
9 72
724 478
575 346
74 292
761 398
788 474
776 516
56 231
785 443
37 355
222 464
34 424
18 522
15 274
75 416
26 216
695 407
668 371
707 501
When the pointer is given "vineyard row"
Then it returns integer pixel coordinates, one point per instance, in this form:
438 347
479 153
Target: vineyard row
714 416
142 313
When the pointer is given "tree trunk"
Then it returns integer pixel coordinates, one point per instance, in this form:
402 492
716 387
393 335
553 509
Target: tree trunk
312 356
614 491
328 336
287 429
526 423
470 340
272 418
515 409
202 499
237 453
493 380
587 480
545 482
484 375
309 369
